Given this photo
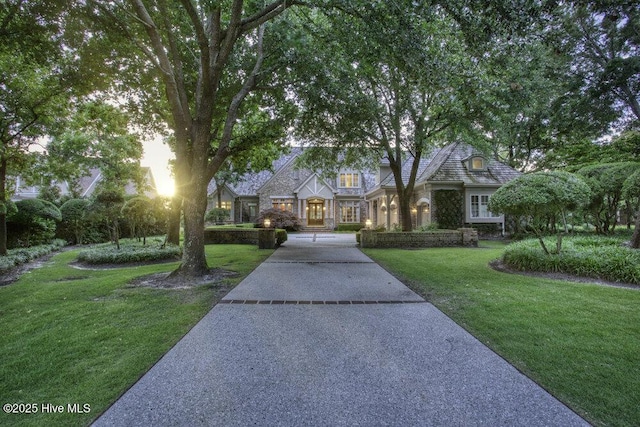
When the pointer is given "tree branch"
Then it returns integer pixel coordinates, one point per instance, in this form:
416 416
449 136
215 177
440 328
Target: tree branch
234 107
180 112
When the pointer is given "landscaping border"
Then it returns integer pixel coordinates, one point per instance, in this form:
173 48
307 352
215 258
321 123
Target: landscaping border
464 237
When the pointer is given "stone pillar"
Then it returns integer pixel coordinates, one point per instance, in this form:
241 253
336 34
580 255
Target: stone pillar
388 213
469 237
267 238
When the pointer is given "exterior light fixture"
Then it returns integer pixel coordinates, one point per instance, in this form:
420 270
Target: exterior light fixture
267 223
367 224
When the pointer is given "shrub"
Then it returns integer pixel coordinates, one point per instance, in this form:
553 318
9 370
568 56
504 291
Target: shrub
350 227
128 253
218 215
588 256
33 223
281 236
449 212
279 219
428 227
16 257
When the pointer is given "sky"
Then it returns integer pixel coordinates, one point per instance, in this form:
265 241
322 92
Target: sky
157 156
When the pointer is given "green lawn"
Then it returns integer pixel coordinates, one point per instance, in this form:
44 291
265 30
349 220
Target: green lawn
579 341
76 336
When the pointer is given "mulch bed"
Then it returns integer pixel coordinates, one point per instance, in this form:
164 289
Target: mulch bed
498 265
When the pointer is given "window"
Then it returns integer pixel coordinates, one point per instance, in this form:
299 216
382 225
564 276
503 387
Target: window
477 163
283 204
479 203
225 205
349 212
349 180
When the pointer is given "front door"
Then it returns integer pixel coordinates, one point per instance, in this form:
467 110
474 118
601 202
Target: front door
316 213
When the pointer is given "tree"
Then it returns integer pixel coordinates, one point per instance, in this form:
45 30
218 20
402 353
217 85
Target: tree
606 182
392 83
395 80
537 196
75 218
106 206
210 58
44 52
581 153
529 102
603 40
96 136
631 192
140 214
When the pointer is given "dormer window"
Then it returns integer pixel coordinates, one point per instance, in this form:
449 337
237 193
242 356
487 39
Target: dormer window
349 180
477 164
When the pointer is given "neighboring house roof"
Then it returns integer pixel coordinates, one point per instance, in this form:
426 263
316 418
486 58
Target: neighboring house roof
87 185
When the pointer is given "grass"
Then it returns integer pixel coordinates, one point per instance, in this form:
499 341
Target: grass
581 342
78 336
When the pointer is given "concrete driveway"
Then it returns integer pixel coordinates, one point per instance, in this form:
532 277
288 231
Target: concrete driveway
320 335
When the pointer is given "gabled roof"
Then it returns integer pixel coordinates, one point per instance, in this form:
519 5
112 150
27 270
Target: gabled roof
250 183
319 178
451 165
389 181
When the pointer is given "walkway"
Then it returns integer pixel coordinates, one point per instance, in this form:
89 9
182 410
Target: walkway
319 335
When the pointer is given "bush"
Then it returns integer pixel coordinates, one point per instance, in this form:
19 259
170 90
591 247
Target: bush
218 215
587 256
279 219
20 256
350 227
281 236
129 253
33 223
428 227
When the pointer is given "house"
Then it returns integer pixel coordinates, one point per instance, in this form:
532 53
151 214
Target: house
452 188
86 186
321 203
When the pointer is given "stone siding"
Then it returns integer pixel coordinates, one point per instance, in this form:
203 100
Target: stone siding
429 239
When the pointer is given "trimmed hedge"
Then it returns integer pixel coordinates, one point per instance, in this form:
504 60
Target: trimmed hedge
129 253
16 257
238 235
602 258
350 227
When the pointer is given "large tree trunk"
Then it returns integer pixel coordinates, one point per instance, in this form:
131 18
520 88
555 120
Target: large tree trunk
635 239
3 208
194 261
173 226
404 203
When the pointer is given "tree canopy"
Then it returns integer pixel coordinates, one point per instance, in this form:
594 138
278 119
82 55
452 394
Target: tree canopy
539 196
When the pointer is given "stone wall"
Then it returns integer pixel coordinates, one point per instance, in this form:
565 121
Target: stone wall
429 239
247 236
